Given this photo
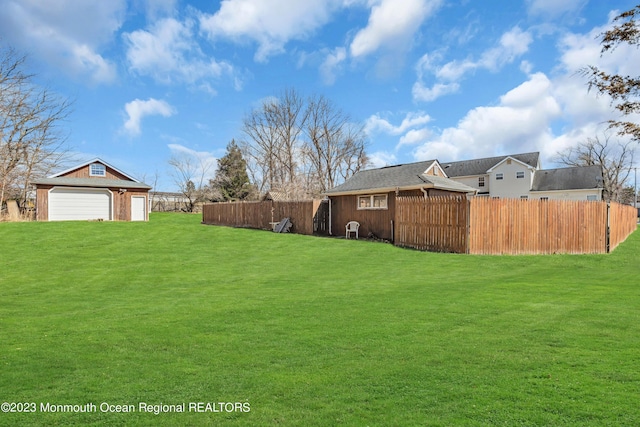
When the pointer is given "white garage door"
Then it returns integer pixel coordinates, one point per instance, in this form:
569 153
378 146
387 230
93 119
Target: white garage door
67 204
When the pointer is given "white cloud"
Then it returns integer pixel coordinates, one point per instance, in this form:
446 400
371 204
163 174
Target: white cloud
375 123
554 8
513 44
412 130
520 122
270 24
168 52
414 136
380 159
138 109
331 65
65 33
392 24
198 166
422 93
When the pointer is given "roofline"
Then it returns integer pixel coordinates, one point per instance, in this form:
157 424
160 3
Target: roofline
103 183
512 158
393 189
94 160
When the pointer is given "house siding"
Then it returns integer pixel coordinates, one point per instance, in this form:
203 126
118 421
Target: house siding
376 221
510 186
83 172
568 194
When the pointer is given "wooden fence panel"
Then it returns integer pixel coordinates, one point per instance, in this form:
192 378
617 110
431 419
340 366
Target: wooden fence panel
623 220
437 224
513 226
262 215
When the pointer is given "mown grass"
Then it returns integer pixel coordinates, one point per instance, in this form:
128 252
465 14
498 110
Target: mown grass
311 331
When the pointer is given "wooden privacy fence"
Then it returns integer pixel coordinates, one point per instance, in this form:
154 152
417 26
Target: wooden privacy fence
622 222
511 226
437 224
262 215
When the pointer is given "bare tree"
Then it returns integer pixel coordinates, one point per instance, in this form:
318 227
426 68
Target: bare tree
615 159
301 147
271 144
335 146
31 144
190 172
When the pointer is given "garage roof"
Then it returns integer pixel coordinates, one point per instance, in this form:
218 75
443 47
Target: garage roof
91 182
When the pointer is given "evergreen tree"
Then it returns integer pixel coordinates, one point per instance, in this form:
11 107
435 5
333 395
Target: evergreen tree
232 181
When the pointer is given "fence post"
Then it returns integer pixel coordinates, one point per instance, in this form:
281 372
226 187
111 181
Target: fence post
608 232
468 219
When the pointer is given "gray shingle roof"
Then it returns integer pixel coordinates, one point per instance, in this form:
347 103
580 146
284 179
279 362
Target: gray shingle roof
91 182
480 166
400 176
573 178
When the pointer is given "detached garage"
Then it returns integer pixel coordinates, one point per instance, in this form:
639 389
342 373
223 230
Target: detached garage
93 190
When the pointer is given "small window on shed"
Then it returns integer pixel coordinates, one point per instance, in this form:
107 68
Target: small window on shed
372 202
380 202
97 169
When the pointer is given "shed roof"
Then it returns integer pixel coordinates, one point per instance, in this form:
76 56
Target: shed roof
390 178
571 178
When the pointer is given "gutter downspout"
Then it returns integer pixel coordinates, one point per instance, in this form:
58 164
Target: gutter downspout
425 192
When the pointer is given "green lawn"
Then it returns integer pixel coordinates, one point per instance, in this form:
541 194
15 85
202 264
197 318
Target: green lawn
308 331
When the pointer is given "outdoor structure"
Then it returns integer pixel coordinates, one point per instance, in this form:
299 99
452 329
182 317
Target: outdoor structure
93 190
369 197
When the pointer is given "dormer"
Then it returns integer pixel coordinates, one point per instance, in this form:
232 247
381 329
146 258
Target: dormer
435 170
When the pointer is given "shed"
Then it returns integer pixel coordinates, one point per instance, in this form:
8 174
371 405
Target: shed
93 190
369 196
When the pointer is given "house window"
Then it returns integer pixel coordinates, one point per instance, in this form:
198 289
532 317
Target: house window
524 197
97 169
592 198
499 176
372 202
519 175
481 181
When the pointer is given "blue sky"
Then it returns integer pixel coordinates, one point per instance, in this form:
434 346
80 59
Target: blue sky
445 79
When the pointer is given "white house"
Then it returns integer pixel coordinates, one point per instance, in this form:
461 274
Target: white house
519 176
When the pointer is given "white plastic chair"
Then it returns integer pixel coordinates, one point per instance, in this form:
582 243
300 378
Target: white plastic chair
352 227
